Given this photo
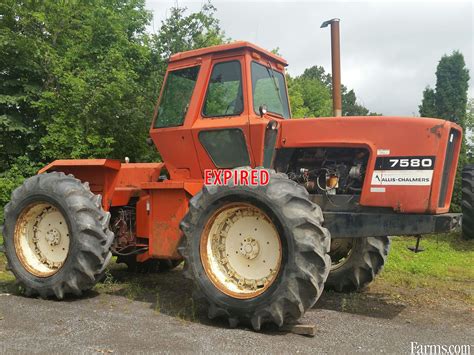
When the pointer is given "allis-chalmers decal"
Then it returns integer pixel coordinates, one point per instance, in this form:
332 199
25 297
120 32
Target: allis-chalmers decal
412 171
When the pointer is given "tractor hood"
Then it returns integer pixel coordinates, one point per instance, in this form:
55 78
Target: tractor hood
388 138
405 135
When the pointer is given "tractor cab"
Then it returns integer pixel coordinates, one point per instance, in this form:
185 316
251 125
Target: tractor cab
216 106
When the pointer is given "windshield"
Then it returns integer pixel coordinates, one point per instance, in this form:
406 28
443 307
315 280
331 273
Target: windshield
268 87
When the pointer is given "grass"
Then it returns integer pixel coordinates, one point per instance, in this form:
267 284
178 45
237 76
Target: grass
167 293
5 276
447 257
7 280
444 273
444 269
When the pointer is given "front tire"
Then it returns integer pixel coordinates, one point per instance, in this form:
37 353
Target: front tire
56 236
256 254
356 262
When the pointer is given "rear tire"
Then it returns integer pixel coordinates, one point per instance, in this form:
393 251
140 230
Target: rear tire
468 202
297 280
356 264
168 265
56 236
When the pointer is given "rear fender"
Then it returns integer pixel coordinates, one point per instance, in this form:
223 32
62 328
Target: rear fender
116 182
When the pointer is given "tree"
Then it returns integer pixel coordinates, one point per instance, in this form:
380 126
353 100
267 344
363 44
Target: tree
449 101
181 32
316 98
79 79
469 131
311 95
22 76
76 79
428 104
452 83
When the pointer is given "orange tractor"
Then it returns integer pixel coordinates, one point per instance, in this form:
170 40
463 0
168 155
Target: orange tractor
259 253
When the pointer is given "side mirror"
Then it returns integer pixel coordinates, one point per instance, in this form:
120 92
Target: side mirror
263 110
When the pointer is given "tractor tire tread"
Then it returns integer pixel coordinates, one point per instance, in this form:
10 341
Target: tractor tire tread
468 202
364 263
92 237
301 283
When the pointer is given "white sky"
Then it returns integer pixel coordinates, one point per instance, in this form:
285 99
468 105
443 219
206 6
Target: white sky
390 49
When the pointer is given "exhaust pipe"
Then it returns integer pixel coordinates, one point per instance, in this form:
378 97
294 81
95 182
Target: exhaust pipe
336 65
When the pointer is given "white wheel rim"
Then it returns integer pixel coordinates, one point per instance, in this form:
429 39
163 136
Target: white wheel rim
41 239
241 250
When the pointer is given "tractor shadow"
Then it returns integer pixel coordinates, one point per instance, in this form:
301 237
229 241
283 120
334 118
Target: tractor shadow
169 293
366 303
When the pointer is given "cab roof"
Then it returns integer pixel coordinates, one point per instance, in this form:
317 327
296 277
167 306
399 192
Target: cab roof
227 47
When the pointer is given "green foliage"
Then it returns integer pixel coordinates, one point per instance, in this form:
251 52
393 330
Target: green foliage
269 89
428 105
469 130
76 79
311 96
452 79
22 76
224 93
180 33
446 257
350 107
449 101
222 97
79 78
21 169
176 96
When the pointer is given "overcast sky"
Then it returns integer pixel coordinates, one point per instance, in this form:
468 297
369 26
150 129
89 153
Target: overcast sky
390 49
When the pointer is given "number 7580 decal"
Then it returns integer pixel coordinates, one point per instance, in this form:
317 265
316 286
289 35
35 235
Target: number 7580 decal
405 163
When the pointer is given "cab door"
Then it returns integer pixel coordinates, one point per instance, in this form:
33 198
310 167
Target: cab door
221 131
268 89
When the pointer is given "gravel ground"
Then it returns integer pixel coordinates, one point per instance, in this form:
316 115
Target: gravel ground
108 322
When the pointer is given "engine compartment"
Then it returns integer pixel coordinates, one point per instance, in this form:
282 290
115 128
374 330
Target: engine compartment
325 170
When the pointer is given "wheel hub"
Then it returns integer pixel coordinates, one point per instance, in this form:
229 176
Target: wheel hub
241 250
249 248
53 236
42 239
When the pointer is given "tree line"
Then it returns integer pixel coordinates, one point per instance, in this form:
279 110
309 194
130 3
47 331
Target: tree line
79 79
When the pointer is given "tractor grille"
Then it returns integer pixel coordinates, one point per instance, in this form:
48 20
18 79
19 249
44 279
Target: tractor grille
448 166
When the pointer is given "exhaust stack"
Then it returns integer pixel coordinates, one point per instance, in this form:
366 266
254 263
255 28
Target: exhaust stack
336 65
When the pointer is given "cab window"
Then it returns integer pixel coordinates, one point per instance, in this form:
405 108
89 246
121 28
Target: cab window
268 87
176 96
235 152
224 93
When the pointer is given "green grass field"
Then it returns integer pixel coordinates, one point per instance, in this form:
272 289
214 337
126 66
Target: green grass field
444 271
446 258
